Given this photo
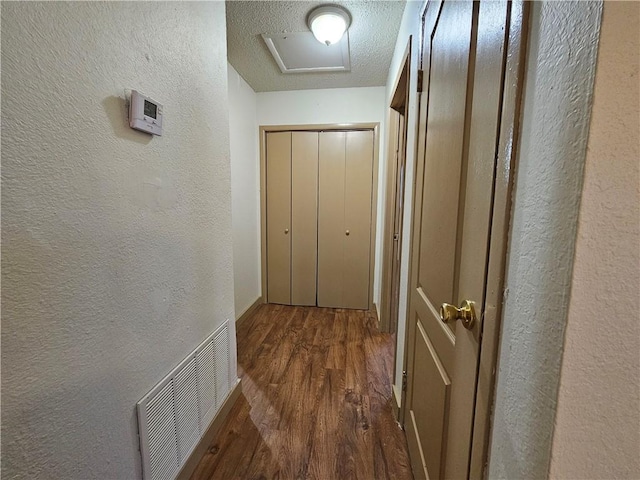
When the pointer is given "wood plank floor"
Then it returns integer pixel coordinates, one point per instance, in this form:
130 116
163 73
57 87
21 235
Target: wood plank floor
316 401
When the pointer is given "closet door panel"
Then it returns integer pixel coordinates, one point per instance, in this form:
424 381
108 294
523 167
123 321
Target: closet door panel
357 235
331 232
279 217
304 217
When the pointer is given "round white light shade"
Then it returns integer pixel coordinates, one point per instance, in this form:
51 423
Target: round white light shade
329 23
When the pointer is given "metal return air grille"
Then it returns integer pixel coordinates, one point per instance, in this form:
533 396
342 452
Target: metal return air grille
175 414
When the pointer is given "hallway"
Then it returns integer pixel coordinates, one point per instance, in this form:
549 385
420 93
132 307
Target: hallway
316 400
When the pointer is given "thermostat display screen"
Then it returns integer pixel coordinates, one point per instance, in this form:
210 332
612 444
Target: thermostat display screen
145 114
150 109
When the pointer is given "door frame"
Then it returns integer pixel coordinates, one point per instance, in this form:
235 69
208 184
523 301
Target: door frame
264 129
393 140
507 153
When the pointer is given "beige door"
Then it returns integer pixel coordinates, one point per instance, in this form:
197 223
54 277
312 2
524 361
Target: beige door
304 217
460 123
292 217
398 215
344 218
394 208
278 217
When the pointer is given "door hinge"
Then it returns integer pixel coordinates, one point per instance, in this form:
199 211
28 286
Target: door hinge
420 77
404 380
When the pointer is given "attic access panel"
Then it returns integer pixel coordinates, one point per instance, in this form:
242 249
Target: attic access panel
300 52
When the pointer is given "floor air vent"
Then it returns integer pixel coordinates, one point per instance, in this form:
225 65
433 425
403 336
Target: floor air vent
175 414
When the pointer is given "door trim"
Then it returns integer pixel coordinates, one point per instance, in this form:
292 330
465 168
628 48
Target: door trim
393 119
421 123
391 172
509 137
264 129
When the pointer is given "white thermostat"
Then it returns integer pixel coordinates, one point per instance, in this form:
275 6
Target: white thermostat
145 114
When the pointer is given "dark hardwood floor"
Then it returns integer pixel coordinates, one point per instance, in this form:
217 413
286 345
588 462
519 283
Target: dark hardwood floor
316 400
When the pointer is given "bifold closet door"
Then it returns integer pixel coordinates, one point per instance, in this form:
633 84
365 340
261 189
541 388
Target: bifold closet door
279 217
357 210
344 218
304 217
292 217
331 230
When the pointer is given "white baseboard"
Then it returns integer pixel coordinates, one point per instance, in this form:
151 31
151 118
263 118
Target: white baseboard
250 309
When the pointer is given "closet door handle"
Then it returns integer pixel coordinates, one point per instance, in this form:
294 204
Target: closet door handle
286 230
347 233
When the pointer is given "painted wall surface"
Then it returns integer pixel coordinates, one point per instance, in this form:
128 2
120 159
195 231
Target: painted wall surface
245 191
555 121
116 246
597 433
409 28
329 106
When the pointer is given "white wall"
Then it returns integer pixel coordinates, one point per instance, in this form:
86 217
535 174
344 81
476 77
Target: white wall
245 191
329 106
597 433
116 246
410 26
555 122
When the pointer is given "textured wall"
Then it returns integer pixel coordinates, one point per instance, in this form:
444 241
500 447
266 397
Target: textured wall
328 106
557 104
116 246
245 191
597 432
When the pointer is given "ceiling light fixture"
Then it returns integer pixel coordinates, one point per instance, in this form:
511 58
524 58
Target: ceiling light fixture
328 23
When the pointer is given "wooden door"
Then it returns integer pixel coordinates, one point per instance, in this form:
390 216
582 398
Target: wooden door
344 218
331 188
357 212
278 179
394 207
398 215
386 295
460 124
304 217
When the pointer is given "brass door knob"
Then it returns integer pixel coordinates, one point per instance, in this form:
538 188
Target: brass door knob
466 313
347 233
286 230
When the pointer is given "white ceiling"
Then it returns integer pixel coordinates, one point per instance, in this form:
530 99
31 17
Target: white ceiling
372 39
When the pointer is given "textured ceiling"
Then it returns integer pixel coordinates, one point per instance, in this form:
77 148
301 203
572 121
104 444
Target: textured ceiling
372 38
